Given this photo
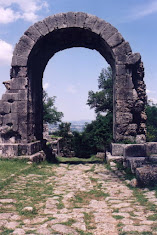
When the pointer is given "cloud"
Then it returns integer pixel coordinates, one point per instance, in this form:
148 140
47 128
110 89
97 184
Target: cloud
71 89
6 52
150 91
145 10
45 86
152 100
12 10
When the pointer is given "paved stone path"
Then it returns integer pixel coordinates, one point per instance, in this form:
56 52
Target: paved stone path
74 199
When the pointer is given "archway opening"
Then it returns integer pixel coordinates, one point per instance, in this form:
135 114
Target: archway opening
44 50
69 76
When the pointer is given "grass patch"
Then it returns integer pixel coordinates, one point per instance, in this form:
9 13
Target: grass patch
7 231
29 188
60 205
89 220
81 232
117 217
9 169
138 193
152 217
93 180
76 160
69 222
135 233
83 198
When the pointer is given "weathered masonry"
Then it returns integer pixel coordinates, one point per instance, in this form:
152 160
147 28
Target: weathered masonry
21 116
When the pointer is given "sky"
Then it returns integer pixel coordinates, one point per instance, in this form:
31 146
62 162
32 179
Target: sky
71 73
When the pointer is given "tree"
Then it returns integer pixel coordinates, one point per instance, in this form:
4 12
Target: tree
95 138
102 101
151 111
50 113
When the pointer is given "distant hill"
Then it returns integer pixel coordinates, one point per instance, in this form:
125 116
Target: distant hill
75 125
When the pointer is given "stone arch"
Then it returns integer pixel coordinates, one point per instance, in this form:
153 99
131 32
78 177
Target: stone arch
21 105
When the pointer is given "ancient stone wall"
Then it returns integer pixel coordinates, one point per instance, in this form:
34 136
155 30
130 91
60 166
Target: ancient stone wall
21 106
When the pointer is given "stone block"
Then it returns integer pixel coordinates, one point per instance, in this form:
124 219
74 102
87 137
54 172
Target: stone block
33 33
10 119
18 72
80 19
99 26
22 117
132 129
1 119
23 130
20 83
134 150
151 148
61 21
9 150
134 163
122 49
41 27
146 175
115 40
90 21
108 31
101 155
14 107
141 139
5 107
70 17
124 118
123 94
19 60
153 159
51 23
23 95
24 46
22 106
22 149
133 59
10 97
120 70
117 149
34 147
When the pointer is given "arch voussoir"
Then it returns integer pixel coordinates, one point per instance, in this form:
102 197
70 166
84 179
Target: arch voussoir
80 19
41 27
90 22
33 33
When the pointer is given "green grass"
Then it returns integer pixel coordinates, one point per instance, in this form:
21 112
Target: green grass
69 222
152 217
60 205
89 220
117 217
6 231
8 167
76 160
33 190
138 193
135 233
83 198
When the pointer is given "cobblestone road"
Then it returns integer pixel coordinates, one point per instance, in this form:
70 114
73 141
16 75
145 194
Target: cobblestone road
74 199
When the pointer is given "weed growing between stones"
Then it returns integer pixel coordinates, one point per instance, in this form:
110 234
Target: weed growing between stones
7 231
118 217
69 222
89 220
60 205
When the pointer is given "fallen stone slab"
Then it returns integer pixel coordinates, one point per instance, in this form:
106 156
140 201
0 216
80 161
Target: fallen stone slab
134 162
147 175
134 150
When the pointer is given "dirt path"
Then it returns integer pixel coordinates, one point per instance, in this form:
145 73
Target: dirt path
74 199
